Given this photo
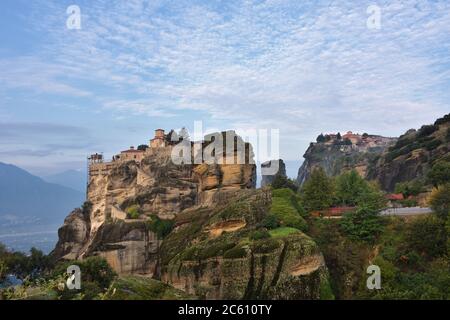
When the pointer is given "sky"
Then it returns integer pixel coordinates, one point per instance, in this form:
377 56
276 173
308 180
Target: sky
302 67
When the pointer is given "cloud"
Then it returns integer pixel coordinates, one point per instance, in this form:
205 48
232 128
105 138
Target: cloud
301 67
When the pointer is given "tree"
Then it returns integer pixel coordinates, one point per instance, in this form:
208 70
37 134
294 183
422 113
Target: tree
427 236
440 173
338 136
439 201
363 225
281 181
347 142
365 135
350 186
142 147
409 188
320 138
318 191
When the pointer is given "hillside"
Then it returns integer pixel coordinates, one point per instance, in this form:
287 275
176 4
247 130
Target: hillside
336 156
413 154
27 199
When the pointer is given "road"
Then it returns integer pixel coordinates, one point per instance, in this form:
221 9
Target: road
405 211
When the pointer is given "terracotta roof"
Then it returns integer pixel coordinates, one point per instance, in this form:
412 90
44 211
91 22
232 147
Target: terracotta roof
132 151
394 196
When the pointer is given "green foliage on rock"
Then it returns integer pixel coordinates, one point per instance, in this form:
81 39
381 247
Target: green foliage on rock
440 173
143 288
282 181
133 212
287 209
160 226
318 191
409 188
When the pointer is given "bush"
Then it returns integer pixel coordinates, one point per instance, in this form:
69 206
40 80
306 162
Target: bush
427 236
409 188
133 212
235 253
362 225
282 181
259 234
426 130
439 201
159 226
439 173
270 221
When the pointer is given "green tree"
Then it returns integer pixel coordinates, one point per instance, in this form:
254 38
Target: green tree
142 147
427 236
409 188
439 201
282 181
320 138
338 136
440 173
350 187
318 191
362 225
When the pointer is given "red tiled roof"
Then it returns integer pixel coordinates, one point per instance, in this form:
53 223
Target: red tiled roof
132 151
394 196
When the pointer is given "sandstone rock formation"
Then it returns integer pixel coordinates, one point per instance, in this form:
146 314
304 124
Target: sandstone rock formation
413 155
337 158
268 174
155 186
189 225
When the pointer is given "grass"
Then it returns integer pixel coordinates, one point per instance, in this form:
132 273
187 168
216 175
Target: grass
282 232
285 208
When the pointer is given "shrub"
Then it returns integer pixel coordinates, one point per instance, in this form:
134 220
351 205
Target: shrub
133 212
235 253
439 201
427 236
439 173
363 225
426 130
270 221
159 226
259 234
265 245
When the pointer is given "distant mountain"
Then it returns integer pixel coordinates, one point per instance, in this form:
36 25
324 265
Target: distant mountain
71 178
28 200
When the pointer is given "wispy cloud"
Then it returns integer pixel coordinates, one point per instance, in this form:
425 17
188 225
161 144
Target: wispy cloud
298 66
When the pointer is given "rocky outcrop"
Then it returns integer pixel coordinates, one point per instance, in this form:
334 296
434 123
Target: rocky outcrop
152 187
336 158
272 169
213 255
413 155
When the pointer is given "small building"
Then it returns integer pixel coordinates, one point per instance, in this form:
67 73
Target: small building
159 140
354 138
130 154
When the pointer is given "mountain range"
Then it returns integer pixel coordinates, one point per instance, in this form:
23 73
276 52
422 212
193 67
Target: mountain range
26 199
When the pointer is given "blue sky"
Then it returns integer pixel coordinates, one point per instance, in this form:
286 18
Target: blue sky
297 66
